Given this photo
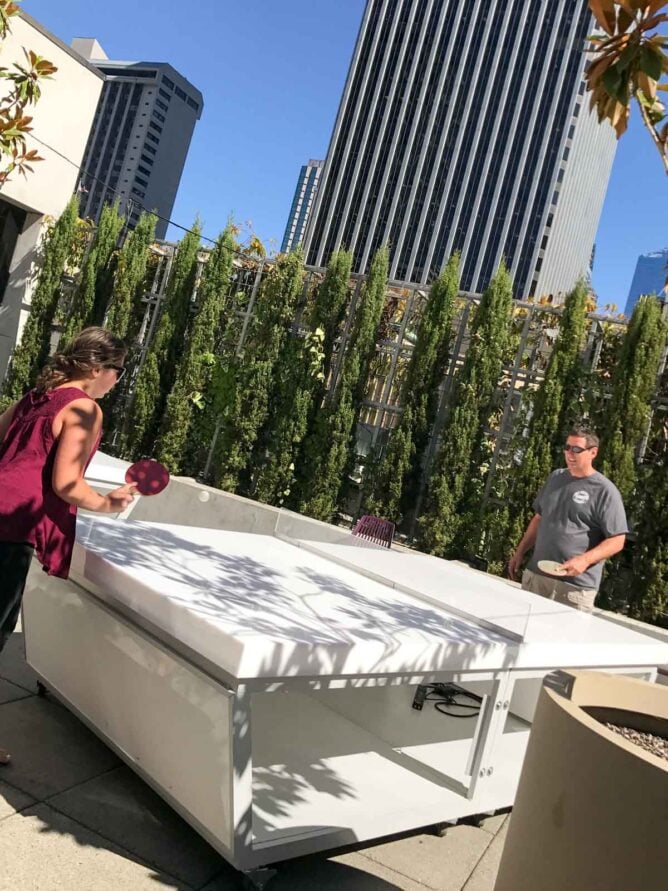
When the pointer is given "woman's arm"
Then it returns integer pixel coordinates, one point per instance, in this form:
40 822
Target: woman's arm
79 425
5 421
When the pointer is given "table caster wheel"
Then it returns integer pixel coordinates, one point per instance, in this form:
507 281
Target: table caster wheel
257 879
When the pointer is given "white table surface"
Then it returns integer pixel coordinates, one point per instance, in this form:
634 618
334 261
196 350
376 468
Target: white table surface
106 469
546 626
259 607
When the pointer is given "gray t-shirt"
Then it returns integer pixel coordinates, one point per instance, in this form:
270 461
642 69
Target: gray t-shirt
577 513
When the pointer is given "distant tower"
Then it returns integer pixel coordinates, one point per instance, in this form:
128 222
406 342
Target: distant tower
302 203
649 278
140 136
464 126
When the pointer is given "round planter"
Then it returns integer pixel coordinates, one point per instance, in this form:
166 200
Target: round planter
591 812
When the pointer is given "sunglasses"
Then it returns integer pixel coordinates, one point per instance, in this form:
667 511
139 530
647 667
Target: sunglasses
119 369
577 450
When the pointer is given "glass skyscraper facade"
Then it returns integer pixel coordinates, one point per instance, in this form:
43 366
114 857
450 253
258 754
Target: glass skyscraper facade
307 186
649 278
463 126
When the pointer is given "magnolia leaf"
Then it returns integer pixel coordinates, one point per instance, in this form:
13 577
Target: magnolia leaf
597 68
627 6
650 62
627 55
612 80
624 19
651 6
604 13
653 22
656 111
647 85
622 121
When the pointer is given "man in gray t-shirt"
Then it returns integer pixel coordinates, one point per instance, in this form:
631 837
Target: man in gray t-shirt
579 522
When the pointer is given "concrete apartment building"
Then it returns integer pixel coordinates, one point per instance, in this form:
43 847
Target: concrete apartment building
302 203
464 126
140 136
61 123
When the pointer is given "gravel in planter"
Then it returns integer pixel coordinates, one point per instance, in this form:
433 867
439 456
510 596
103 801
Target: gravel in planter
657 745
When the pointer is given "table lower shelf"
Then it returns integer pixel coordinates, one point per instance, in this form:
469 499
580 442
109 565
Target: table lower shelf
317 772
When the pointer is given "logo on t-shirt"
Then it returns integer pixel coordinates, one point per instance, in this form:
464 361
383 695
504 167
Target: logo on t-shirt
581 496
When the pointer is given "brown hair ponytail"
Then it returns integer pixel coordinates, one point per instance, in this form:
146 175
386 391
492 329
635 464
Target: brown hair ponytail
93 348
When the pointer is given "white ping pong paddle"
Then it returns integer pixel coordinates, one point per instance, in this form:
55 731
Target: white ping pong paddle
551 567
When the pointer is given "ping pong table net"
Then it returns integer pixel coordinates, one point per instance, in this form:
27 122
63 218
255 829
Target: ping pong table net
375 530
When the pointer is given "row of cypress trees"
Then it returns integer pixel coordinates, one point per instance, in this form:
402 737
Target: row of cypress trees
264 423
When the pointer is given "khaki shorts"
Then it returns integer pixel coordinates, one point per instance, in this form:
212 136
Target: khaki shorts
559 590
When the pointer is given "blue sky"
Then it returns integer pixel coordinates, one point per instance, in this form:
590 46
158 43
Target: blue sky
272 75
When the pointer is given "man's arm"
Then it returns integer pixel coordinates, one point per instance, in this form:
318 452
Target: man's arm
607 548
527 543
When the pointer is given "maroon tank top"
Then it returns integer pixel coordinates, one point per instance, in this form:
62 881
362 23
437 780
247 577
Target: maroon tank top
30 511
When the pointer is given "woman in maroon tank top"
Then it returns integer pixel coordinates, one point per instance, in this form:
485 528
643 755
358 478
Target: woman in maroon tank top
47 440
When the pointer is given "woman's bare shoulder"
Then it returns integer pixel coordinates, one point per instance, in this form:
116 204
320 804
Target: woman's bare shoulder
81 412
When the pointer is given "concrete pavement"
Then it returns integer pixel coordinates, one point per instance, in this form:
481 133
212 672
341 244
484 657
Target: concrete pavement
73 816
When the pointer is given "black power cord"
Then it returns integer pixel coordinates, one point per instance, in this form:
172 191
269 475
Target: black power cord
446 697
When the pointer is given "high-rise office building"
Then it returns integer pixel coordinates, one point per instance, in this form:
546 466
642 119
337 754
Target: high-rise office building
464 126
140 137
307 186
649 278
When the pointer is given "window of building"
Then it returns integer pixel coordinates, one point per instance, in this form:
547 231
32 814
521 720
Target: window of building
158 116
143 170
152 138
135 72
179 92
155 126
146 159
138 192
167 82
162 105
193 104
165 94
150 149
141 182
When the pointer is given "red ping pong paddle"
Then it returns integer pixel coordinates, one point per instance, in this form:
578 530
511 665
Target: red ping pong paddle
150 477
